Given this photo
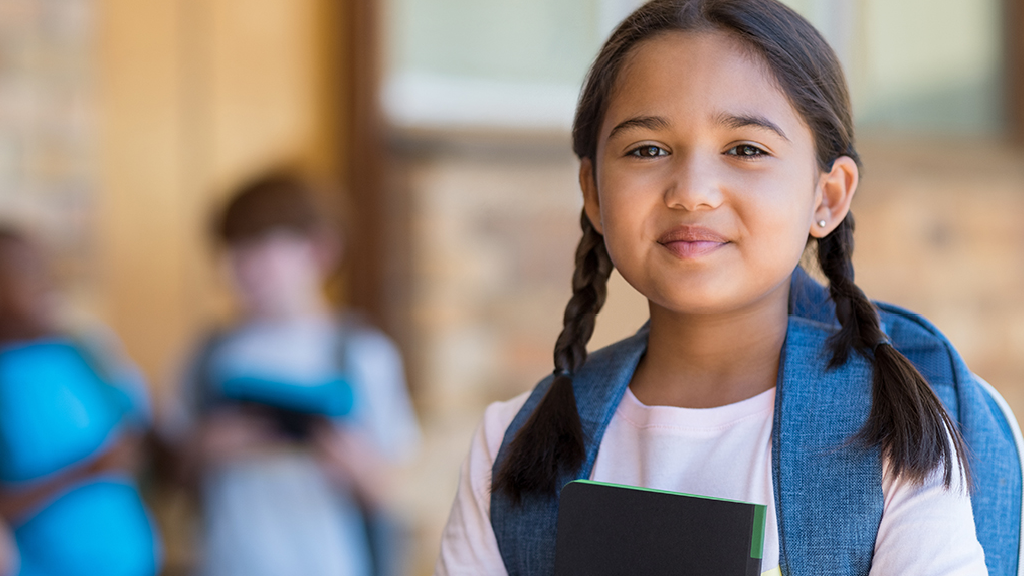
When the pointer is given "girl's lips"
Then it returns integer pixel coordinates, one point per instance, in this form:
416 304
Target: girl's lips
692 249
692 241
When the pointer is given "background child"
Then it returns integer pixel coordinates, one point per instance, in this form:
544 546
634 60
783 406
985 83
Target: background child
716 144
74 411
293 488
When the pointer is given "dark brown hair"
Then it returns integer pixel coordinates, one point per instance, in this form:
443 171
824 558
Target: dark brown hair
907 421
273 202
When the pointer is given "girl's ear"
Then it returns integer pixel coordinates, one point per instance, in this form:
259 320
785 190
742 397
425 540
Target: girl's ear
591 203
835 192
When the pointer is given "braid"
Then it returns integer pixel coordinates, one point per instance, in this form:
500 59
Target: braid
907 419
550 443
589 287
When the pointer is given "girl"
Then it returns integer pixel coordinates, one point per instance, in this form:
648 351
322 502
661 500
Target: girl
716 144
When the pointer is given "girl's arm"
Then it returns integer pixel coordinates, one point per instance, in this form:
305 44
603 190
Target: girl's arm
468 546
10 561
121 456
229 434
927 529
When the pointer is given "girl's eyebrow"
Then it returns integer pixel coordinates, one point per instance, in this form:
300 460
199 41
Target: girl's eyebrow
648 122
724 119
742 121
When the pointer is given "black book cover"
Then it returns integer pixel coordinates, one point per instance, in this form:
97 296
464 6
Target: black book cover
605 530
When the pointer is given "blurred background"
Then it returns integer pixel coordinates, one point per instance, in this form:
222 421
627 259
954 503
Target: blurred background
441 128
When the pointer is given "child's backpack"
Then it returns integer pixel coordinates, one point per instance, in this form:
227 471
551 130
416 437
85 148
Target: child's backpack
58 414
818 479
56 411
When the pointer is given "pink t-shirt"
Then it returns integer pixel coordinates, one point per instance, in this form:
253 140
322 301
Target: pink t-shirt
724 452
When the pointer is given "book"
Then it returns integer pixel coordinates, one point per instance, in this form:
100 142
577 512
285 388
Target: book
607 529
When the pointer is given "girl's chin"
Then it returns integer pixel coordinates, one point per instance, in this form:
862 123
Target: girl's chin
717 300
695 305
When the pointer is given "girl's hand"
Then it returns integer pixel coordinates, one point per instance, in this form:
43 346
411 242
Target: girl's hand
352 461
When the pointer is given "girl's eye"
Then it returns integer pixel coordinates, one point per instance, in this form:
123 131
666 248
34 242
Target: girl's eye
648 151
746 151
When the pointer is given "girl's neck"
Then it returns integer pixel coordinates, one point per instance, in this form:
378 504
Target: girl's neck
703 361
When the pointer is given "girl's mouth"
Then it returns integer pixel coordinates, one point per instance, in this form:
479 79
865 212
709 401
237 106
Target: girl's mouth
692 241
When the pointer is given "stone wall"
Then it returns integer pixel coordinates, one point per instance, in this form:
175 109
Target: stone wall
47 139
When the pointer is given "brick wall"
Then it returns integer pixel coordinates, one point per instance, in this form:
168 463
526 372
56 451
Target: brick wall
941 231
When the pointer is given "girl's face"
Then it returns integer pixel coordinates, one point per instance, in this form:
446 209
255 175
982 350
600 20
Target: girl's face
705 182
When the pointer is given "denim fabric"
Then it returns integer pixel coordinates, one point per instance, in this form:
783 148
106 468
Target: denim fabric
993 459
828 493
526 533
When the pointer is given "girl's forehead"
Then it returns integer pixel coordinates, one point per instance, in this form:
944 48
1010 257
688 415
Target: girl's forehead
694 75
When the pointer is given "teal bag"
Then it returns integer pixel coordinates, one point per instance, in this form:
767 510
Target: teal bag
97 528
55 411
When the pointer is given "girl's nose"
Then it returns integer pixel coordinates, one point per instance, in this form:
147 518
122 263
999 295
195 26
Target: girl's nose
694 184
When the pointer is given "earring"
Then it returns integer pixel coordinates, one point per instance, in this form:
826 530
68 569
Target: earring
822 223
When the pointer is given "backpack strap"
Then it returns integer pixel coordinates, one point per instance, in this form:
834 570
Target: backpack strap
1004 507
349 325
201 395
828 493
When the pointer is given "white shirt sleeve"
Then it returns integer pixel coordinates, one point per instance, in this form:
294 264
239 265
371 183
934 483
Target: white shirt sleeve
927 529
468 545
386 412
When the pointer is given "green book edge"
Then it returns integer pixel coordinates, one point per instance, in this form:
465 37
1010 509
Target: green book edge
760 511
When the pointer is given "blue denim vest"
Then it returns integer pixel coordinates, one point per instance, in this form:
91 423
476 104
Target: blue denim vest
828 493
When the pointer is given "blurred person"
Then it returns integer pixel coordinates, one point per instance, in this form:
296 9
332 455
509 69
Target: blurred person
297 415
73 411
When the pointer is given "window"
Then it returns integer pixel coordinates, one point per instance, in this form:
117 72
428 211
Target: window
913 65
